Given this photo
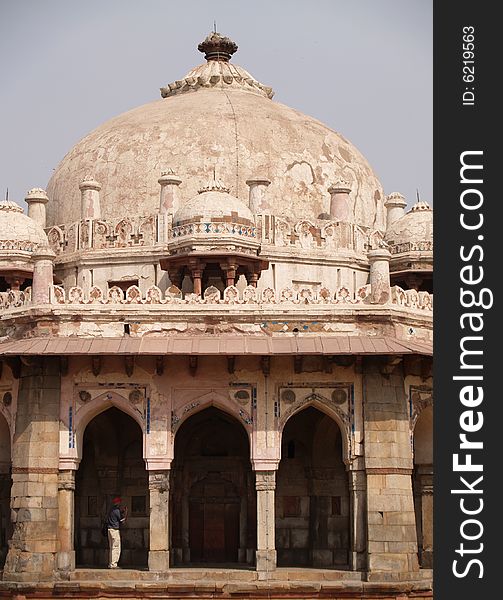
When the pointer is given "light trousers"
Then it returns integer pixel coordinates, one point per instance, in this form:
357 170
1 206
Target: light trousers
114 547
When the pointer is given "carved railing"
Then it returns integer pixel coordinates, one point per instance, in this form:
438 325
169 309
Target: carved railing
213 228
231 295
418 246
147 231
15 298
96 234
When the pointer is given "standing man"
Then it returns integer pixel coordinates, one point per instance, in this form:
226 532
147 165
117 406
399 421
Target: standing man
116 517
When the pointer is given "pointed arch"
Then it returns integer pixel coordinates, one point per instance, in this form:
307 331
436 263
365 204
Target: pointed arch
327 407
100 404
112 464
212 488
212 399
312 492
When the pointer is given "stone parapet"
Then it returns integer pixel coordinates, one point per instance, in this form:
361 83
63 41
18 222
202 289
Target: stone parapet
232 296
94 233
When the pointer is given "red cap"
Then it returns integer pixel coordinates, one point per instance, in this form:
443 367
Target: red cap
117 500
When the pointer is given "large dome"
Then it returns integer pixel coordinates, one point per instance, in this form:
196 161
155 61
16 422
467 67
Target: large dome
217 119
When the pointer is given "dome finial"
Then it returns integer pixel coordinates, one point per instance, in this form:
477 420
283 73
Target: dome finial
214 185
217 47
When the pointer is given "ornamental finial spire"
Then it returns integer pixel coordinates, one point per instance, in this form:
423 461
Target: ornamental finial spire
217 47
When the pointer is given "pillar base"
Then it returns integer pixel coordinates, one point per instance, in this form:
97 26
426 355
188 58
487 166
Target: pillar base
357 561
392 567
158 560
265 560
426 559
65 561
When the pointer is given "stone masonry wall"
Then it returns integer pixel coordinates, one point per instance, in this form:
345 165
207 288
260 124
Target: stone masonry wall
392 543
35 454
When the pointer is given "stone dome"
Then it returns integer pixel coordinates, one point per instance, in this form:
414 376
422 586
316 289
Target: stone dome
414 227
217 117
18 232
213 203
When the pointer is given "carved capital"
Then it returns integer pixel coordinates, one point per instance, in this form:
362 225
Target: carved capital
158 481
265 481
66 480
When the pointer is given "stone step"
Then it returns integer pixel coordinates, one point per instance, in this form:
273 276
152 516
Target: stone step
217 575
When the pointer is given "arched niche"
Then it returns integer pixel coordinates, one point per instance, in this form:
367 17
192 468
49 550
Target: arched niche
312 493
423 437
422 481
217 401
5 488
323 405
112 464
98 405
212 491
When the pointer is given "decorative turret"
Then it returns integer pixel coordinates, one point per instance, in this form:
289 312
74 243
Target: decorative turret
169 200
339 200
257 200
36 200
395 205
379 275
90 198
43 273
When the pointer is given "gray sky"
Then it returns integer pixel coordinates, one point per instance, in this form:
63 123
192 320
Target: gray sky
363 67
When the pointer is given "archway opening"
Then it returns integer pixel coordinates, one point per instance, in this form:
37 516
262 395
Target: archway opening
312 494
212 492
422 483
112 464
5 489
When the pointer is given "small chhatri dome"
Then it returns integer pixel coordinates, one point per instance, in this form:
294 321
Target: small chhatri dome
17 231
20 238
414 227
9 206
217 47
213 203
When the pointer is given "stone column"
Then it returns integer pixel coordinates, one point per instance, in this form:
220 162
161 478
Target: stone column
424 490
158 555
379 275
395 205
197 281
35 469
257 200
340 209
265 483
169 199
391 524
90 199
36 200
358 502
229 270
66 520
43 269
